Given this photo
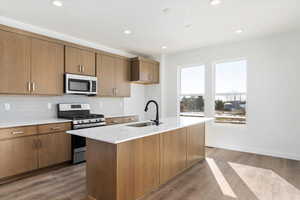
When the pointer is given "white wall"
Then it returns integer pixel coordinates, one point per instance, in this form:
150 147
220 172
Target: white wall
273 75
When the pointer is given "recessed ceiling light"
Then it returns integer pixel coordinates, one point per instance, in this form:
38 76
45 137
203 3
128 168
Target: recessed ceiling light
57 3
239 31
188 25
166 10
215 2
127 32
164 47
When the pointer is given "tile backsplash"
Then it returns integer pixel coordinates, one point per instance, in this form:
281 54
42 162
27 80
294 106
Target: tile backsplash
18 108
31 107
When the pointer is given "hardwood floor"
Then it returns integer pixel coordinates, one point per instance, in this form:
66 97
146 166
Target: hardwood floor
224 175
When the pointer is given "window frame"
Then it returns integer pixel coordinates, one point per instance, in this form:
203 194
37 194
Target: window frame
179 69
214 65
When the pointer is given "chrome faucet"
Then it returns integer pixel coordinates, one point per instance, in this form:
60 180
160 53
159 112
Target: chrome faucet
157 115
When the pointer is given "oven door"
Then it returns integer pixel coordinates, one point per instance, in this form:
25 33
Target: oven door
77 84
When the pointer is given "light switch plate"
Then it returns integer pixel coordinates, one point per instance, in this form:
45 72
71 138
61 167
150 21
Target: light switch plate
101 104
7 106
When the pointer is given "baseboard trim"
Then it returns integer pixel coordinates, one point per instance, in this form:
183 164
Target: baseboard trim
257 151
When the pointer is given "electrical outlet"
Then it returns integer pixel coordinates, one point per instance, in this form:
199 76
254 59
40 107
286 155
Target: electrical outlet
49 106
7 106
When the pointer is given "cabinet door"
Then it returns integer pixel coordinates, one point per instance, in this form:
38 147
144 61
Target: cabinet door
145 71
195 143
155 73
106 75
173 154
80 61
54 148
122 77
18 155
138 167
14 63
47 67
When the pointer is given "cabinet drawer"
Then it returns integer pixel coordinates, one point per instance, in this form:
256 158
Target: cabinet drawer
53 128
8 133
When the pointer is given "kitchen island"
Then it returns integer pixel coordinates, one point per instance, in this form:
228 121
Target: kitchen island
126 162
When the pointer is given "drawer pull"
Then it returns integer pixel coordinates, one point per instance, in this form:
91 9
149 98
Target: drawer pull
17 132
55 128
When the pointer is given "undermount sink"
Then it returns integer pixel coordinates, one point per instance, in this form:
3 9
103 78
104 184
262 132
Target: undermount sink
142 124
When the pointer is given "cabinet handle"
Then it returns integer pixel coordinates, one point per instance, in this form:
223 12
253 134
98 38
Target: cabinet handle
79 67
55 128
33 86
17 132
116 91
29 86
83 68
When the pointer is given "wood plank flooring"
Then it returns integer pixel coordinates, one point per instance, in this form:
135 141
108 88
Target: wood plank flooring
224 175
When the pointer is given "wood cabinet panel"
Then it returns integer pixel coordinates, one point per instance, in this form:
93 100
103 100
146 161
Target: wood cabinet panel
122 78
52 128
14 63
113 74
195 144
79 61
101 178
9 133
105 74
18 155
138 167
47 67
155 73
173 153
54 148
144 71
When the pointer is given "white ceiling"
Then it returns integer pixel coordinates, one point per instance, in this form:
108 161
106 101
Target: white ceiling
103 22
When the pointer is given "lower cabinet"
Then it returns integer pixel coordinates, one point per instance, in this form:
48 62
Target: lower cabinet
18 155
195 144
24 149
173 153
138 167
54 148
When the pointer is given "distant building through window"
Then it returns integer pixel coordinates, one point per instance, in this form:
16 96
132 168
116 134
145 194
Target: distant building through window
192 91
230 92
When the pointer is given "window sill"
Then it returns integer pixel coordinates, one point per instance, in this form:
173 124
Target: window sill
190 115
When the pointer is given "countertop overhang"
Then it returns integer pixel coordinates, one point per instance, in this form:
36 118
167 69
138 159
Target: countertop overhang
121 133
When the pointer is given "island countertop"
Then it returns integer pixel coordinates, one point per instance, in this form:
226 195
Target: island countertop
121 133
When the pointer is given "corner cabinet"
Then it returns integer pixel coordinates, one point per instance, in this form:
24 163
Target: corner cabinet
114 76
80 61
144 71
30 66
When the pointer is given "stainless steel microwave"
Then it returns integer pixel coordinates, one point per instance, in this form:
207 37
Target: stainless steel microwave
78 84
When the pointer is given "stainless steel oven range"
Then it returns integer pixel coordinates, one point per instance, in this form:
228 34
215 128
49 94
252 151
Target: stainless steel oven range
81 118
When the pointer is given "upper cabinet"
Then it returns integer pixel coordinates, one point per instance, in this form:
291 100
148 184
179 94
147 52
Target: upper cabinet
79 61
30 66
14 63
144 71
47 67
113 75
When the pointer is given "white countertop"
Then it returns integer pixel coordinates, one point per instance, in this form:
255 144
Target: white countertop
121 133
18 123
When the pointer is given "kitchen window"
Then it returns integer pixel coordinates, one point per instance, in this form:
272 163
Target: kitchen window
191 98
231 92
